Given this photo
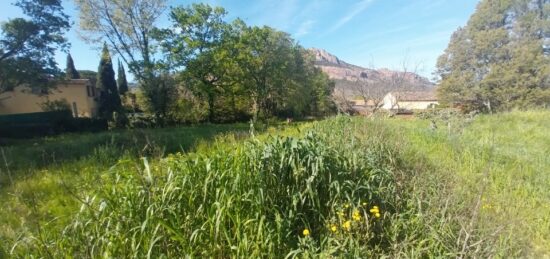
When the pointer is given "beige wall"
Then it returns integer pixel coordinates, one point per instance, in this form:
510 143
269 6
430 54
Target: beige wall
390 103
77 92
417 105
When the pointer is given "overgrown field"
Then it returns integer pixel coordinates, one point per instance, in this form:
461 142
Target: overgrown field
343 187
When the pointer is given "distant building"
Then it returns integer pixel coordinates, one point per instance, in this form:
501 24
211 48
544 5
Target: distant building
80 94
413 100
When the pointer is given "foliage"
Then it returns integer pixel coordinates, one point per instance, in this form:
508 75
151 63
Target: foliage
56 105
121 80
196 43
158 96
499 60
472 193
127 27
109 99
27 46
238 70
70 71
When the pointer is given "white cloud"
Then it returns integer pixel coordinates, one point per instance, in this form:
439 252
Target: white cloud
304 28
357 9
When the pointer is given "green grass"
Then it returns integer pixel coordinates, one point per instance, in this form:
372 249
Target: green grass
503 161
476 189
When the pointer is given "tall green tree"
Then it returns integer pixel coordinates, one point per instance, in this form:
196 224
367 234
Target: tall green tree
121 80
28 45
265 57
127 27
199 43
70 70
109 100
499 60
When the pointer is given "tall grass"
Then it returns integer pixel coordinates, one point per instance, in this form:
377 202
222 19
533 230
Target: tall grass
335 191
344 187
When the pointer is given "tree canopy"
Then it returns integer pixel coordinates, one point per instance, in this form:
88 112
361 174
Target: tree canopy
109 100
28 45
121 80
70 71
500 59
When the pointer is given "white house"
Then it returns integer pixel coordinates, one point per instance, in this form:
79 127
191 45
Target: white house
412 100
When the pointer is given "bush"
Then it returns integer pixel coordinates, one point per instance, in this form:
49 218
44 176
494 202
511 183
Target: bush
46 124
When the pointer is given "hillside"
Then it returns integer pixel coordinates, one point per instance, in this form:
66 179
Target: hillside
348 75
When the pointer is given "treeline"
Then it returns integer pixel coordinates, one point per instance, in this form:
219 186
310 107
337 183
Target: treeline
206 68
501 59
231 71
202 67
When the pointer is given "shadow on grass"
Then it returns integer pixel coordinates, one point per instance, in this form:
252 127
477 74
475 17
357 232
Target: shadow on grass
24 156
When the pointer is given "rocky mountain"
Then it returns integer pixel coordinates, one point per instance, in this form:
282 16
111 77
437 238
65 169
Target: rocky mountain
347 75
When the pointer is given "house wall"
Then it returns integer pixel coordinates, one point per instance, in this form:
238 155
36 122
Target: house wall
417 105
78 94
391 103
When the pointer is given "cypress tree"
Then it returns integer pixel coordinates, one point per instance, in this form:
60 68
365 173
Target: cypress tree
121 81
70 71
109 100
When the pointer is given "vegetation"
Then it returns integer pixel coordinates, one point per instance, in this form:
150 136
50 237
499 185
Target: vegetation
109 98
233 71
121 81
342 187
70 71
27 46
499 60
127 27
443 184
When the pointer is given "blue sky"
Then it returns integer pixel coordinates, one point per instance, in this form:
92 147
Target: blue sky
370 33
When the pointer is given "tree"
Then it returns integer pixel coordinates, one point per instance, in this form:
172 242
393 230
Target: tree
264 57
199 42
499 59
109 100
127 26
70 71
27 46
121 80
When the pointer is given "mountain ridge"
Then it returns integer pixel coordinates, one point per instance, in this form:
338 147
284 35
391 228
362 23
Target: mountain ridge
347 75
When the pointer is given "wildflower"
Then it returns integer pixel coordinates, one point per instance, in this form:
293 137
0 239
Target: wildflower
356 215
374 210
364 204
377 215
346 206
305 232
347 225
333 228
340 213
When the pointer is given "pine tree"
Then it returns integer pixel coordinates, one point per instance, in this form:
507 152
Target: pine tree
109 100
70 71
121 81
498 61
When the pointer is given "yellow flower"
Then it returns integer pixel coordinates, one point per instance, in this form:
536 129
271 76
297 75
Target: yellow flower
377 215
364 204
356 215
340 213
305 232
374 210
333 228
346 206
347 225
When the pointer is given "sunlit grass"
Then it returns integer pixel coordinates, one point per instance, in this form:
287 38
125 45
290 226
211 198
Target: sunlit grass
344 187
